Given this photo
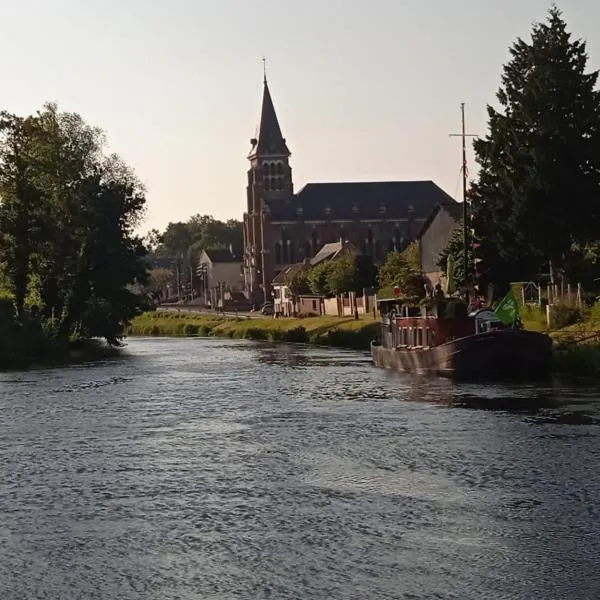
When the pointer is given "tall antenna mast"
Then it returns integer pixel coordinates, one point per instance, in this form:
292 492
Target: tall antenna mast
465 215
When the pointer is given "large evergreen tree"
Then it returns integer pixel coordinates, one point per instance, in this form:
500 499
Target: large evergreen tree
538 190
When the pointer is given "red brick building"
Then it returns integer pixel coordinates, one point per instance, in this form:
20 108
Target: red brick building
283 227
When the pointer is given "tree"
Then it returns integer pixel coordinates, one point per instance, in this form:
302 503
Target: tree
68 215
341 275
396 271
318 278
298 283
537 189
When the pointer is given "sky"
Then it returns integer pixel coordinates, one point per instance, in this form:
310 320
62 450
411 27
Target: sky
364 91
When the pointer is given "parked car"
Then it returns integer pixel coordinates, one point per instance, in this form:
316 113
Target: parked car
267 309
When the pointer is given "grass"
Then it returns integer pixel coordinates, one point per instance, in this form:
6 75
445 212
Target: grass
343 332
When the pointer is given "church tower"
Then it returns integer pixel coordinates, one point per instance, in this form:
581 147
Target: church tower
269 182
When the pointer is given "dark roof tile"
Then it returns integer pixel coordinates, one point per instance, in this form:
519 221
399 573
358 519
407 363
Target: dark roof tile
362 200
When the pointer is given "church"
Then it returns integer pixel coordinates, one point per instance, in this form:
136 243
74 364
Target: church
282 227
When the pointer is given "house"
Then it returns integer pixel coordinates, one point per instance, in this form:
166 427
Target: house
434 237
283 227
283 300
332 251
220 274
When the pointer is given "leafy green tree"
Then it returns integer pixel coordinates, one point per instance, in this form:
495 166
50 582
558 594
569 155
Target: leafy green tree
20 209
68 214
537 190
396 271
318 278
341 275
298 283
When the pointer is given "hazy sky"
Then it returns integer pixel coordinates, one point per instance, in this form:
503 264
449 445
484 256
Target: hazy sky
363 90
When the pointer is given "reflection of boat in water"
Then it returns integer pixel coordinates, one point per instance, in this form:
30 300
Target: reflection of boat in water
451 343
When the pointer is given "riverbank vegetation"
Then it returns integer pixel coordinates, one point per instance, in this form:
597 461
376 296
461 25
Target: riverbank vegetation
324 331
69 257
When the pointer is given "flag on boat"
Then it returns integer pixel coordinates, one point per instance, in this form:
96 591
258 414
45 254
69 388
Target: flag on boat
508 309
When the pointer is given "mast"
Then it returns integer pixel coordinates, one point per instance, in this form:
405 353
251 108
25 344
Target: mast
464 207
465 215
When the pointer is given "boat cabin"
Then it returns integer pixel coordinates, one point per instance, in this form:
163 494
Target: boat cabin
436 323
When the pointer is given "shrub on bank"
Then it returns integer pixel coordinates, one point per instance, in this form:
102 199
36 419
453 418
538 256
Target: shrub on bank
327 331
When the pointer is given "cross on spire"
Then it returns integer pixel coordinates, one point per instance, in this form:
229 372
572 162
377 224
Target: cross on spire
264 61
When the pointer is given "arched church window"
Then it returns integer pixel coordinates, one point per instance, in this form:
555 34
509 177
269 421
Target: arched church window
307 250
279 169
267 184
285 246
265 168
278 253
292 252
315 242
272 168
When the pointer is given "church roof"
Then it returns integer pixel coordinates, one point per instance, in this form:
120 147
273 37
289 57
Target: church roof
270 141
361 200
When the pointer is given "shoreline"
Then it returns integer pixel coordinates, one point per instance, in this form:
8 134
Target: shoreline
580 361
340 332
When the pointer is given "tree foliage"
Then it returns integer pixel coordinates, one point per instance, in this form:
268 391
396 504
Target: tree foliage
184 242
347 273
399 271
537 190
68 213
298 283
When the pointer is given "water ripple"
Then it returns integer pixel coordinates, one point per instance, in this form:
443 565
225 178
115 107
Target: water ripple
221 469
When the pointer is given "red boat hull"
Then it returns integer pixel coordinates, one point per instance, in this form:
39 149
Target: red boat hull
494 355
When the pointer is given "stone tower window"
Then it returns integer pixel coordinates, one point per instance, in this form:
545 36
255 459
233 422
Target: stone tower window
279 169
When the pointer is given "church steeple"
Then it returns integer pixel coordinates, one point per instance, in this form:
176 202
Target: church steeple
270 141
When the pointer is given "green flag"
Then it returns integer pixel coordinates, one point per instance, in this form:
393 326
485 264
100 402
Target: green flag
508 309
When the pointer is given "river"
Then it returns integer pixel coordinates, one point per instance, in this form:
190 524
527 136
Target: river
218 469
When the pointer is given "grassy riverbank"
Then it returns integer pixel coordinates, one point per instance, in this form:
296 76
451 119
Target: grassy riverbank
324 331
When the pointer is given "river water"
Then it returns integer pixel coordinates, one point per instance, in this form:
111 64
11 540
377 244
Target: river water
208 468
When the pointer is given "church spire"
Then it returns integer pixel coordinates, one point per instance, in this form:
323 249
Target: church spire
270 141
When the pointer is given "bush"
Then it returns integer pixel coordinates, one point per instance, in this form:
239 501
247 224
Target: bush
566 314
582 361
191 329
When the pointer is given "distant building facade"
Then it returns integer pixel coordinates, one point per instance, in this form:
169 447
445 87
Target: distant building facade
434 237
282 227
219 274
